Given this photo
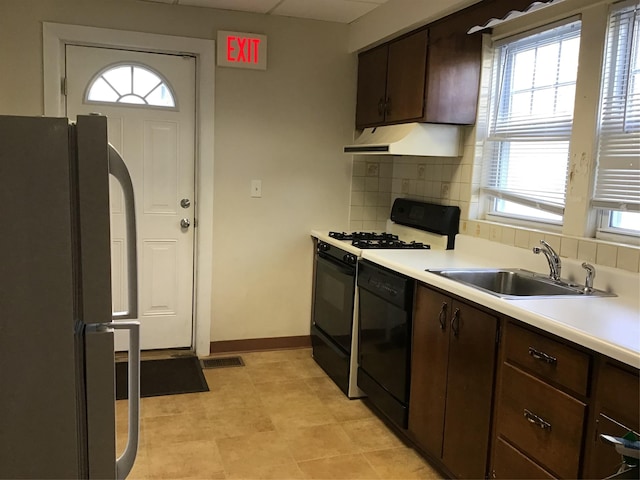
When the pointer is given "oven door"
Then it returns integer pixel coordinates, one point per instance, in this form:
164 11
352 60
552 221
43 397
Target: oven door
333 300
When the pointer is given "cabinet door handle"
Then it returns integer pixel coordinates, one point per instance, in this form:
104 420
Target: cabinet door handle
455 322
442 317
381 107
536 420
387 106
543 357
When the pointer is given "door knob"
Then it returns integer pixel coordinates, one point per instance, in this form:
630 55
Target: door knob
184 223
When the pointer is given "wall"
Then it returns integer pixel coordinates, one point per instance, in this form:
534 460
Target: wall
285 126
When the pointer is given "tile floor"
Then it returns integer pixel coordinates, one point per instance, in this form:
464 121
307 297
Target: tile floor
278 417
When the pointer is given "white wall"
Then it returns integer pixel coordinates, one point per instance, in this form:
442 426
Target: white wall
285 126
398 16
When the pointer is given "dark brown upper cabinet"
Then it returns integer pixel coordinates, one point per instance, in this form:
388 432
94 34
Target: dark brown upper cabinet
391 82
431 75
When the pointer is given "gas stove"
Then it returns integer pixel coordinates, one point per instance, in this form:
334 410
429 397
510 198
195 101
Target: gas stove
367 240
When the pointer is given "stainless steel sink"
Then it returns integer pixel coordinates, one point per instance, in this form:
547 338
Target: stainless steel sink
516 283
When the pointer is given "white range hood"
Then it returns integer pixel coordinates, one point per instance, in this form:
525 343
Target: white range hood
420 139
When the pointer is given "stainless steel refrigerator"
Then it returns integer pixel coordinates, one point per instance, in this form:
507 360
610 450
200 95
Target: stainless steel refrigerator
57 394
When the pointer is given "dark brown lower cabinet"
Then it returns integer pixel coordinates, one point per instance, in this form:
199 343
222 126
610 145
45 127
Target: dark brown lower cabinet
617 406
452 377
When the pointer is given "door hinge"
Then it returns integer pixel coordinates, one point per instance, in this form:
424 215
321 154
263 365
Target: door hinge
63 86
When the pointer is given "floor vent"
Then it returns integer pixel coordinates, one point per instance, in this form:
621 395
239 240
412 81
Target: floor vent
222 362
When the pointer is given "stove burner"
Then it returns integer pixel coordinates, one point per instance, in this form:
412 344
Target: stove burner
363 236
365 240
341 235
389 244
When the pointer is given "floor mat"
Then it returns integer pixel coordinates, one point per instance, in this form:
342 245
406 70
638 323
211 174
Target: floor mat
167 376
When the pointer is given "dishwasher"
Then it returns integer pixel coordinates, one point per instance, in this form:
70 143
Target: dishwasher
385 311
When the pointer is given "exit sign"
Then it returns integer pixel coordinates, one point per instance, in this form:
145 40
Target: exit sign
242 50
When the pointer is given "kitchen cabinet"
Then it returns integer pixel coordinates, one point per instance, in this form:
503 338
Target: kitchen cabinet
617 411
453 74
429 75
541 405
391 81
452 376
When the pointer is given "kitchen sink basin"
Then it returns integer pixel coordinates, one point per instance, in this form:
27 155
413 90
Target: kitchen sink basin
516 283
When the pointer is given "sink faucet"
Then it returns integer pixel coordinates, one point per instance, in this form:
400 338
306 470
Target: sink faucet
591 273
555 265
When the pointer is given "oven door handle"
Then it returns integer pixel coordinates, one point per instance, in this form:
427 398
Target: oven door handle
336 265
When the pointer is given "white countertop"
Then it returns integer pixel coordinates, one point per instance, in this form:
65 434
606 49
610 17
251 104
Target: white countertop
608 325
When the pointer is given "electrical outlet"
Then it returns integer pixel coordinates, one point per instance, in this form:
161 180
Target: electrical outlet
421 171
372 169
405 185
256 188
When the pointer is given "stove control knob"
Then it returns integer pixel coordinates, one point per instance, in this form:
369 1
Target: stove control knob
350 259
323 247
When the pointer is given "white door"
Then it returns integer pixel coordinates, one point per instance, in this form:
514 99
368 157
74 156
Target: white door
149 99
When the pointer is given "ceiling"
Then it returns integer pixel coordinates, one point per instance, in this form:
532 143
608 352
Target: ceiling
341 11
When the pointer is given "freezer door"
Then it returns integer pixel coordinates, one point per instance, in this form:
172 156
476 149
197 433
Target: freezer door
100 394
39 368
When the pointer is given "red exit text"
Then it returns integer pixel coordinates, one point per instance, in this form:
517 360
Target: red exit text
243 49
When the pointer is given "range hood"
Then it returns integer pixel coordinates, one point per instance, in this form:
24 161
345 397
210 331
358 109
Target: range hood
420 139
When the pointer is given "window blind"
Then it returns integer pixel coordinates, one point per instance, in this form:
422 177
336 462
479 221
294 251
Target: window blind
617 184
526 152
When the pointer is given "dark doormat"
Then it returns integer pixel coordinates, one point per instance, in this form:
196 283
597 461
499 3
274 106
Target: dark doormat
163 377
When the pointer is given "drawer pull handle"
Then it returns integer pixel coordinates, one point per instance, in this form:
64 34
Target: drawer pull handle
443 315
536 420
538 355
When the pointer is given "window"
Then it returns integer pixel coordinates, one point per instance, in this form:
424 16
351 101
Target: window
617 187
131 84
526 153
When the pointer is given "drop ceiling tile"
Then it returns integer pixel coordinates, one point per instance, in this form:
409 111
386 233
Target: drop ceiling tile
343 11
257 6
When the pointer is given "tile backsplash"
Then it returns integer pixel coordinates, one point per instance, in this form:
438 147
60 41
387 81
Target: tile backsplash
378 180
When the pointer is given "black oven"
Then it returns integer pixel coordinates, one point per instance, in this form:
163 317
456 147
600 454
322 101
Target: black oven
333 311
385 307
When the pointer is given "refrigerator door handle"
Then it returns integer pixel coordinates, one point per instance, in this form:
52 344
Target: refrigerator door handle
118 169
125 462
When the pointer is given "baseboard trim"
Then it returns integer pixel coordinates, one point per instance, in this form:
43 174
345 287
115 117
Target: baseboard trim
256 344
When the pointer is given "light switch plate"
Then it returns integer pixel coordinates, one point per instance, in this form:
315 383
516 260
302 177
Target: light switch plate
256 188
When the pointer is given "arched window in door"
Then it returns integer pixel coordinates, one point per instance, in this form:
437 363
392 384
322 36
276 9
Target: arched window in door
133 84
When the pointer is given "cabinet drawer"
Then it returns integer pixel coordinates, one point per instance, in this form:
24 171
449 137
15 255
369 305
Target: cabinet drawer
510 463
543 422
548 358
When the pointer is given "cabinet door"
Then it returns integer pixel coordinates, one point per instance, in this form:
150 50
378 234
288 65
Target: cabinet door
618 412
472 354
372 83
453 75
406 78
429 369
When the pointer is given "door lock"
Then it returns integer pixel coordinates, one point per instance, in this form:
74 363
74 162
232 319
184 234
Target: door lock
185 203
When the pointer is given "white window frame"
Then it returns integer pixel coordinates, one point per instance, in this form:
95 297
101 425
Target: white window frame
611 85
493 195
